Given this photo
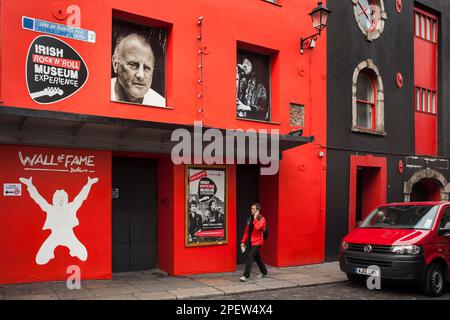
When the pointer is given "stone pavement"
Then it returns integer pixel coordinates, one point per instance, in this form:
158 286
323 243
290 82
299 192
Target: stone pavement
154 285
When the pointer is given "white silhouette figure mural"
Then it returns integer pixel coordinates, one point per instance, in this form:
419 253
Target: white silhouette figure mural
61 219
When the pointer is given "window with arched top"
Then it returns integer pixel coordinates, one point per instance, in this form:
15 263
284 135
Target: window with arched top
368 99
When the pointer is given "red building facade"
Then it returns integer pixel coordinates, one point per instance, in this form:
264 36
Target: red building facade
67 138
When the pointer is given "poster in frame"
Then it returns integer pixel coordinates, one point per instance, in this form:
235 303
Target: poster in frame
206 212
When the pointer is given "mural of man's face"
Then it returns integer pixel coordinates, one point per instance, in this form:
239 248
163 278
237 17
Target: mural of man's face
193 209
60 198
247 66
134 63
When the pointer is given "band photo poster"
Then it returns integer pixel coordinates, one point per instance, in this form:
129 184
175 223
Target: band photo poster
138 64
206 206
253 86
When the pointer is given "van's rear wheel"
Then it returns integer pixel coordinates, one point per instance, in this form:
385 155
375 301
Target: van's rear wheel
434 281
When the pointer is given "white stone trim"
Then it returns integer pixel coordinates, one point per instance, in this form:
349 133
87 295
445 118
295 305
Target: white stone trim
379 107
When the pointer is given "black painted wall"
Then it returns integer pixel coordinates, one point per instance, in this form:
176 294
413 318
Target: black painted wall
392 52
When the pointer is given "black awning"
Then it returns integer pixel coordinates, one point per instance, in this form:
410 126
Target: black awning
62 129
288 141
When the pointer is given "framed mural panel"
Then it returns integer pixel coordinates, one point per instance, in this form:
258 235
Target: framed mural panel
253 86
206 212
138 73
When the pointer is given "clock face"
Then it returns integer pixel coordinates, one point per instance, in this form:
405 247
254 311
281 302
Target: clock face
366 14
370 16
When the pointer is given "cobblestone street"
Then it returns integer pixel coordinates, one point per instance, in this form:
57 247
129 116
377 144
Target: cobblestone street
312 282
339 291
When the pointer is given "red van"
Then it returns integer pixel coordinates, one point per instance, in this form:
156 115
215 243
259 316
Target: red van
405 241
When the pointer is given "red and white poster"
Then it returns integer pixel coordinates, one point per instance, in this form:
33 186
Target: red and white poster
206 206
61 217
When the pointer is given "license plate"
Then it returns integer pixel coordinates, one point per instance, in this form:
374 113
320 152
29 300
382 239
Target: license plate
367 272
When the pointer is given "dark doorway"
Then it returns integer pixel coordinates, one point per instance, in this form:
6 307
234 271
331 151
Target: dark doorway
419 192
426 190
367 180
134 214
247 188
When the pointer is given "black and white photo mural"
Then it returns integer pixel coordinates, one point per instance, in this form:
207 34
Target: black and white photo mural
253 86
138 64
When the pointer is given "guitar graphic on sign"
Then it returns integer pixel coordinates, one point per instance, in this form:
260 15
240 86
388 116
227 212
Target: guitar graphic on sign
49 92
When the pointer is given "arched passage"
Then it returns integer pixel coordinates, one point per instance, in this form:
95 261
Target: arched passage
426 190
427 185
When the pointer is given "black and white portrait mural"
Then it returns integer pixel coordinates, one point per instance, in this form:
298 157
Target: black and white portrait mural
138 64
253 86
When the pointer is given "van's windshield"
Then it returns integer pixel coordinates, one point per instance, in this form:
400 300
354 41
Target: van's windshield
402 217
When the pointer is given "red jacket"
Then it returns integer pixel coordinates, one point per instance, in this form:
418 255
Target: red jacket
257 234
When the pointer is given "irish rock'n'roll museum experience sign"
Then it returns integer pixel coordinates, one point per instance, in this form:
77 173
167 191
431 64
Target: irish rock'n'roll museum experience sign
54 70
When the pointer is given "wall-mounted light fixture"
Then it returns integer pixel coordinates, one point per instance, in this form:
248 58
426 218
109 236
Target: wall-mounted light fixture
319 16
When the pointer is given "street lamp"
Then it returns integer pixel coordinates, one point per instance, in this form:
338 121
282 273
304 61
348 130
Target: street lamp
319 16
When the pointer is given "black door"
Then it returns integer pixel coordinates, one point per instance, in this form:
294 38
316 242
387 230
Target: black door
134 214
247 188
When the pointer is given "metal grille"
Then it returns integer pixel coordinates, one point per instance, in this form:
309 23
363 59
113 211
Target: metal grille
375 248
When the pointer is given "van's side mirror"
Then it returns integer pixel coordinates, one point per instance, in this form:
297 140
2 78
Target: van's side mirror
445 230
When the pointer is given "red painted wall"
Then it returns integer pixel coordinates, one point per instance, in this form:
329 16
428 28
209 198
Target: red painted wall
425 133
295 78
301 222
225 23
22 220
425 66
205 259
269 197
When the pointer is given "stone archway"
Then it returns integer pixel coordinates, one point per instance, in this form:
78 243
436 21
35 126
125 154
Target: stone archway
427 174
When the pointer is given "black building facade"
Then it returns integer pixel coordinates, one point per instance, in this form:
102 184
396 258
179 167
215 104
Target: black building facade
388 108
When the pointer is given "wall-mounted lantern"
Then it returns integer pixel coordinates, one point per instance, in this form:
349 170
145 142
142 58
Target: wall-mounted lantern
319 16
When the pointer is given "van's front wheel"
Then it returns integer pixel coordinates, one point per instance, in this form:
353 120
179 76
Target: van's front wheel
434 281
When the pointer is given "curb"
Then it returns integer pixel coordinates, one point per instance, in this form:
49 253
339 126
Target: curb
262 289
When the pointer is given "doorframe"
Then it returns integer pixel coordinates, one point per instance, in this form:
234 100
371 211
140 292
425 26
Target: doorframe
368 161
